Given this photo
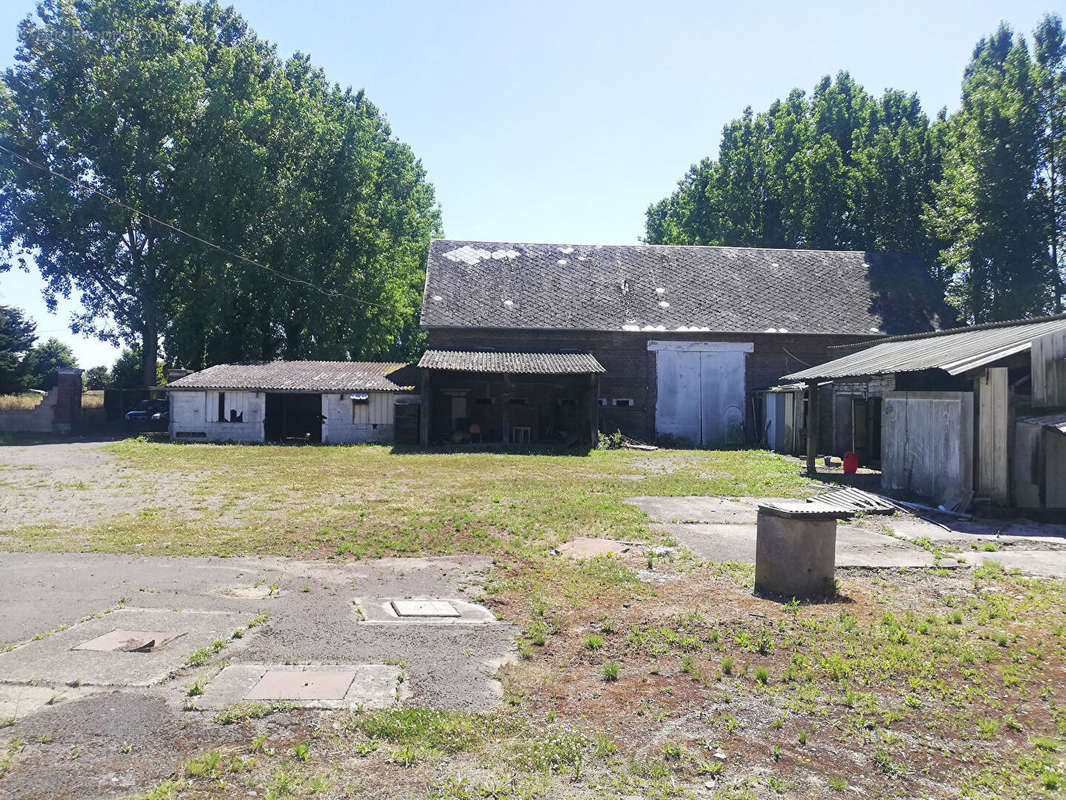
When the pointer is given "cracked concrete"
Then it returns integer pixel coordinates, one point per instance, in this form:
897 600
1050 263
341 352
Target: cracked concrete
723 529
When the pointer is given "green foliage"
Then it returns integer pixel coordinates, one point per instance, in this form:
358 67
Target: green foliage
17 335
127 372
41 362
96 378
180 110
980 195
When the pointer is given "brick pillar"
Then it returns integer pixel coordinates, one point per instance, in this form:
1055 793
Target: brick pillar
68 398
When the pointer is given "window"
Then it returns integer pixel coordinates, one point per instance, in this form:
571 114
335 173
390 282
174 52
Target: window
604 402
623 402
221 407
360 409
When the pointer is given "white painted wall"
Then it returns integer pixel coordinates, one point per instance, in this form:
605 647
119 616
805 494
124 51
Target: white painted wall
194 416
348 422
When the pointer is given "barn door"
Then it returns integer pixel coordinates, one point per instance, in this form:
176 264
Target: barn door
701 391
722 398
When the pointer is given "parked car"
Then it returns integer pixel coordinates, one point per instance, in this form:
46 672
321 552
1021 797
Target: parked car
150 411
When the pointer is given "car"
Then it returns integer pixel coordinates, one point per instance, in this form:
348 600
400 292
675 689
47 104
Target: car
150 411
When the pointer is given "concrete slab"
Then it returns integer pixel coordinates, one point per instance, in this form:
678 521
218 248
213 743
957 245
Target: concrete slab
413 611
17 701
857 546
424 608
129 641
260 592
288 684
331 686
55 659
715 510
1041 563
587 547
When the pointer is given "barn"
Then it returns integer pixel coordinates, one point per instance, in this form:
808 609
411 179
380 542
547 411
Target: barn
554 342
333 402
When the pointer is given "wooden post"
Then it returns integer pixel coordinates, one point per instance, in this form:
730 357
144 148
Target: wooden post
424 411
812 428
594 409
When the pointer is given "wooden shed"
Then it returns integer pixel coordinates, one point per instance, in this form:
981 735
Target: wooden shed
333 402
965 413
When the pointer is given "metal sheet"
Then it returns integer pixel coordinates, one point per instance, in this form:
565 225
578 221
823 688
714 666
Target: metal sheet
722 398
954 351
677 406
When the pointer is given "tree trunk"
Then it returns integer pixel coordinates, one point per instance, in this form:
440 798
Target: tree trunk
149 351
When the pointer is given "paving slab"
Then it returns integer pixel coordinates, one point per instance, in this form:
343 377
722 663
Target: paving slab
588 547
129 641
332 686
19 700
703 509
58 659
856 546
420 611
424 608
1041 563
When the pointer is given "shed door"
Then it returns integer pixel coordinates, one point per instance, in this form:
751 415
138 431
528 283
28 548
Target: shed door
701 395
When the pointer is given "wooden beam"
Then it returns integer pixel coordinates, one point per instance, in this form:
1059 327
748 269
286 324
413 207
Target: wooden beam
424 410
812 428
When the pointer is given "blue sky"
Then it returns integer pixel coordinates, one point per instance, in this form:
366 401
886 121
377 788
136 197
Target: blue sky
562 121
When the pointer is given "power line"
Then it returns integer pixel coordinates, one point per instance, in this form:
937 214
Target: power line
284 276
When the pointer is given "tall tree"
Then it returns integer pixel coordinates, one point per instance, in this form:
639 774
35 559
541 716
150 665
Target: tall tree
986 205
836 169
17 335
179 111
42 361
1050 53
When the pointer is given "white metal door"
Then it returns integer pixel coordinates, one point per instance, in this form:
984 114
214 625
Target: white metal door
722 398
701 391
677 410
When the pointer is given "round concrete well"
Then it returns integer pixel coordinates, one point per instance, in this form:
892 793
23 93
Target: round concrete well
795 552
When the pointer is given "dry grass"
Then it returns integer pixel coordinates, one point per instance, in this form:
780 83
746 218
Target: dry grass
92 399
20 402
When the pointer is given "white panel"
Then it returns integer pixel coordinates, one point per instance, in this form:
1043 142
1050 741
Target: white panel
703 347
677 406
722 397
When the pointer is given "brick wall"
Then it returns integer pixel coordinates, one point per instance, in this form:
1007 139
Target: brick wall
631 366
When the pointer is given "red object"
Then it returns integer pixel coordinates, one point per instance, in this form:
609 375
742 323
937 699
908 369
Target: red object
851 463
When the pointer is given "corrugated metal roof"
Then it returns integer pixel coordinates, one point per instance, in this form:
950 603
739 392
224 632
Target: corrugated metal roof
954 351
297 376
513 363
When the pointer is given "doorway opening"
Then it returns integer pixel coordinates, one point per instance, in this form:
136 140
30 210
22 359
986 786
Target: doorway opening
293 417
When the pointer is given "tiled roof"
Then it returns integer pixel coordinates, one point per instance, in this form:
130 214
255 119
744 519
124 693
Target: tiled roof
300 376
955 351
513 363
671 288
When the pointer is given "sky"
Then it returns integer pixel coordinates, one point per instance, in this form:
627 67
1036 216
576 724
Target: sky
562 121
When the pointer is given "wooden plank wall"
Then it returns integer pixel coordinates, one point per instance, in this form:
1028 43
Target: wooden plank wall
1054 447
1048 356
927 444
993 436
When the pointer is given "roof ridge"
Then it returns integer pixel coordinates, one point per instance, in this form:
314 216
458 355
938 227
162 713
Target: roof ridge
679 246
984 326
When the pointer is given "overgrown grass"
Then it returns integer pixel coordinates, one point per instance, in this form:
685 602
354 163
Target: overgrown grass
371 501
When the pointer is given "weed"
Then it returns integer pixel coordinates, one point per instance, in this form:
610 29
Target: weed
204 764
301 751
241 712
610 670
727 666
259 619
593 642
762 675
